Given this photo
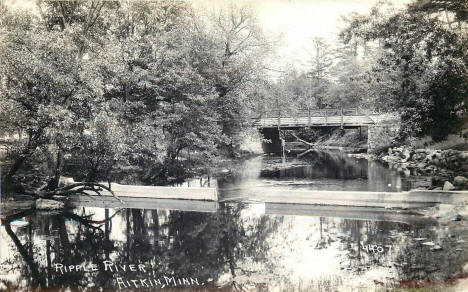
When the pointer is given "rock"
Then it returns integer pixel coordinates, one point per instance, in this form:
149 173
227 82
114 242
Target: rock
436 247
19 223
45 204
457 217
65 181
448 186
460 181
407 154
438 180
421 165
463 155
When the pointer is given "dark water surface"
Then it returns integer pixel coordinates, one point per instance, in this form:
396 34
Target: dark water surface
324 171
242 245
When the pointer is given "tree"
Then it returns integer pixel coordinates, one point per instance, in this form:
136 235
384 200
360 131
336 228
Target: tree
421 69
45 84
228 51
165 103
320 63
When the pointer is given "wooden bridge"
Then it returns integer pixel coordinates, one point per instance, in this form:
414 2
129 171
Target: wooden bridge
331 117
271 123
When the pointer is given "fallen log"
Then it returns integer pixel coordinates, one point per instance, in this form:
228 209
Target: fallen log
73 189
303 141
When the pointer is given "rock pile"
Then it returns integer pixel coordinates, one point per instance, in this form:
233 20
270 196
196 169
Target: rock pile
442 165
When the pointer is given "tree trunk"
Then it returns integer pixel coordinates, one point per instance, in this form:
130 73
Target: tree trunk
15 167
33 141
58 169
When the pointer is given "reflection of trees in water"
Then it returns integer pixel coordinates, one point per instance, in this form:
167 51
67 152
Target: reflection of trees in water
323 165
420 262
184 244
336 165
82 247
408 257
357 236
191 244
213 245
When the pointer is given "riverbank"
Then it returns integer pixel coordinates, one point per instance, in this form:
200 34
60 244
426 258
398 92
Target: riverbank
447 169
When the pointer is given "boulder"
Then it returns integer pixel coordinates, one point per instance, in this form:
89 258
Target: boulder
463 155
421 165
65 181
45 204
448 186
406 154
460 181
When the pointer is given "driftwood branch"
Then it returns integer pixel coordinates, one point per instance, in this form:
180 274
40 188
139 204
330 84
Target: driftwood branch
75 189
303 141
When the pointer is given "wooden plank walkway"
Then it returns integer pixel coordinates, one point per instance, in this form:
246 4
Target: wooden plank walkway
331 121
330 117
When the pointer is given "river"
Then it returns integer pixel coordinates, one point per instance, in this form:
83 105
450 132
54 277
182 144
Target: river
240 244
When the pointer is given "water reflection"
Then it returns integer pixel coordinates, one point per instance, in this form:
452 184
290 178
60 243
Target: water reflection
237 247
318 171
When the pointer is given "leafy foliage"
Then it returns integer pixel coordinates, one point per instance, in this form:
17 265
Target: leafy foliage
142 83
421 70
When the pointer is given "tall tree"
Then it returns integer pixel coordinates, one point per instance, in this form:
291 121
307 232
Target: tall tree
422 69
229 52
319 64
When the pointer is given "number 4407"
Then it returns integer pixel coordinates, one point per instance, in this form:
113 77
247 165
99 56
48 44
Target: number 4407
371 248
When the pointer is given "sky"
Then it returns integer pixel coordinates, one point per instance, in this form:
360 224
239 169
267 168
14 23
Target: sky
297 21
301 20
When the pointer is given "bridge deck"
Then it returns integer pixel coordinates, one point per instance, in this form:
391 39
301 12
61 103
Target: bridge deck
328 121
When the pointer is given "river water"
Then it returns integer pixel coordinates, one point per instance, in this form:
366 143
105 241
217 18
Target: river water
240 244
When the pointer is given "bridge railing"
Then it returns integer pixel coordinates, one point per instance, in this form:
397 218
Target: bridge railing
303 112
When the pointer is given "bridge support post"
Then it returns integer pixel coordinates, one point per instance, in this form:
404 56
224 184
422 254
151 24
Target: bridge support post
341 118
